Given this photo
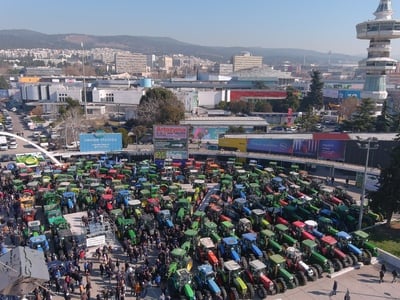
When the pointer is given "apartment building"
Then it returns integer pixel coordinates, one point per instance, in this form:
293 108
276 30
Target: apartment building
246 61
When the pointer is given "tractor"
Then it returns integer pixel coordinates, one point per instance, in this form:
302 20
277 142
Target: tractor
164 219
183 207
68 202
256 275
180 285
191 239
267 241
34 228
328 247
314 258
296 265
230 278
283 277
211 229
258 220
360 239
283 236
204 281
123 197
179 260
229 248
250 247
206 251
40 243
298 229
356 254
244 225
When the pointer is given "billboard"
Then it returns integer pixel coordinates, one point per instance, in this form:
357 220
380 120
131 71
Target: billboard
331 149
279 146
100 142
305 147
232 144
208 133
170 141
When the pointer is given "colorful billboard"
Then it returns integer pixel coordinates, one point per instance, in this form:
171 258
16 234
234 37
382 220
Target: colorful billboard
170 132
331 149
233 144
170 141
305 147
100 142
279 146
208 133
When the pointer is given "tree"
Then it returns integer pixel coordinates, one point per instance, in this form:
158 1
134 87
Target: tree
3 83
292 101
160 106
384 121
314 98
386 199
308 120
363 120
348 107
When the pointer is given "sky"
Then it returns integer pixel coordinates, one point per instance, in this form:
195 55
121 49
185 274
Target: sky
321 25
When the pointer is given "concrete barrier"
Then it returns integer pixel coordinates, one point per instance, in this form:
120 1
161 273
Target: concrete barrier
388 258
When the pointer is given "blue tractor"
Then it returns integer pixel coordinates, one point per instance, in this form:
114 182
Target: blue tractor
40 243
205 285
68 202
356 254
250 247
229 249
123 197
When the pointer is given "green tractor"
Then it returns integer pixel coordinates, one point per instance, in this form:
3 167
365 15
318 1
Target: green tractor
180 285
126 228
312 257
180 260
34 228
283 236
267 241
211 229
278 272
360 239
191 239
230 277
183 208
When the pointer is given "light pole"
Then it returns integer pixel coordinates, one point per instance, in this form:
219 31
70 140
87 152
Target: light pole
368 144
84 81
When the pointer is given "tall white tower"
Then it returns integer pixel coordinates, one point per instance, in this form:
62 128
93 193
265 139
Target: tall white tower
379 32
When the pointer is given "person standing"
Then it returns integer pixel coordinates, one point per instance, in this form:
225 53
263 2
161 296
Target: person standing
381 275
394 273
334 288
347 295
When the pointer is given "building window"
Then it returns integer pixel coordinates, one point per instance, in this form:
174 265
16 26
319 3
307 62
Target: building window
110 97
62 97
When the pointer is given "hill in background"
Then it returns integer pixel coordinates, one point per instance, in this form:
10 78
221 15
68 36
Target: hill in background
12 39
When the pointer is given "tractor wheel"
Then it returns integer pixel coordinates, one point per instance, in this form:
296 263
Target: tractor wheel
234 295
315 274
337 264
199 295
295 282
319 270
265 255
275 290
367 257
251 290
301 278
349 261
224 294
243 262
354 258
261 292
282 284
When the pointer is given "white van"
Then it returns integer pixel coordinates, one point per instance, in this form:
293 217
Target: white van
3 143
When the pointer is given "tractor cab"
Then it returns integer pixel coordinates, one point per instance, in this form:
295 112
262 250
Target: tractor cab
244 226
39 243
211 229
259 222
249 244
164 218
206 251
230 248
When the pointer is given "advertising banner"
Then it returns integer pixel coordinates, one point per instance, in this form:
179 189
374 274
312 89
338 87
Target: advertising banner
331 149
167 132
305 147
100 142
170 142
208 133
279 146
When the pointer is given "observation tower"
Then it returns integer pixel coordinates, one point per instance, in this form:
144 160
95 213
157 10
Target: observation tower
379 32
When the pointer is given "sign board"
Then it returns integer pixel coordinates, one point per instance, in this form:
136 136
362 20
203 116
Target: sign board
100 141
95 241
170 141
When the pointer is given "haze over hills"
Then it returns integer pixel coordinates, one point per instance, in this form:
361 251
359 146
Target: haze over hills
12 39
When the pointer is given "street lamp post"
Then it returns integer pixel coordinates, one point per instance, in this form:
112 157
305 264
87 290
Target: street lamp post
84 81
368 144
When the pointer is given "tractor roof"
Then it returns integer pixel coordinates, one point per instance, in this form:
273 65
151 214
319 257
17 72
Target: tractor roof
361 234
205 269
309 243
257 265
258 212
299 224
231 265
211 225
134 202
207 242
178 252
191 232
277 259
328 239
251 236
343 235
230 240
281 227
